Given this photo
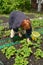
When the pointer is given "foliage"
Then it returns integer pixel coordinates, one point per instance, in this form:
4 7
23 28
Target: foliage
19 60
1 33
38 53
1 28
36 39
25 43
37 23
4 33
36 45
6 6
29 44
1 21
25 51
37 42
9 51
4 50
7 33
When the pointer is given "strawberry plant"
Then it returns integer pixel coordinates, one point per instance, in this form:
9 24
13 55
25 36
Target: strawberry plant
28 44
37 42
1 28
19 60
9 51
7 33
4 50
25 51
25 43
38 53
36 45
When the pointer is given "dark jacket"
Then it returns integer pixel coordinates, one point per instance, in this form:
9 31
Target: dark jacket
15 20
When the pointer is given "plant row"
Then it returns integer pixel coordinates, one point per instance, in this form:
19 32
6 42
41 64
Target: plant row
22 54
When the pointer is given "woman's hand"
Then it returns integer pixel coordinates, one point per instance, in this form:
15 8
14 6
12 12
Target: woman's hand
28 40
20 35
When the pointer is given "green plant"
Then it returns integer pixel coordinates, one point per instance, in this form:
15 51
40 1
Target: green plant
37 23
1 21
37 42
25 51
28 44
25 43
4 50
36 45
6 6
1 34
1 28
19 60
7 33
38 53
9 51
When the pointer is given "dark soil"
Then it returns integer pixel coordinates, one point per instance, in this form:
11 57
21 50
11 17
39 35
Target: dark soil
31 59
5 60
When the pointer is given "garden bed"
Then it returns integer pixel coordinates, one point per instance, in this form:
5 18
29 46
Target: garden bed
22 53
32 59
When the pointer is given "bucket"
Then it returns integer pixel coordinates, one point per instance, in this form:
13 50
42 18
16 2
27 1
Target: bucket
35 35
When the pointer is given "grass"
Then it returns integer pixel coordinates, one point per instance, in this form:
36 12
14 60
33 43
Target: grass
5 15
36 14
1 21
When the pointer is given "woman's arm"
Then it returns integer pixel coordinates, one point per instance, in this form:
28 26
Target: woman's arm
28 34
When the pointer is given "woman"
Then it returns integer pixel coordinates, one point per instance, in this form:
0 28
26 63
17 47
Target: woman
19 20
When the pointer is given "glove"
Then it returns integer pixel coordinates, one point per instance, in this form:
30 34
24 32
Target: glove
12 33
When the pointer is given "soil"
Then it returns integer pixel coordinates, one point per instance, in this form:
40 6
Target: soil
31 59
5 60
